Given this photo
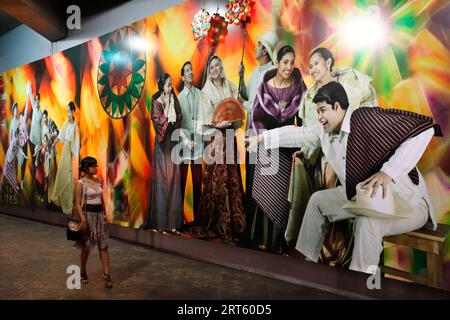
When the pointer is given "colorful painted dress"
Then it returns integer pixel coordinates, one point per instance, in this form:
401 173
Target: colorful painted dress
274 108
221 208
165 208
13 155
63 192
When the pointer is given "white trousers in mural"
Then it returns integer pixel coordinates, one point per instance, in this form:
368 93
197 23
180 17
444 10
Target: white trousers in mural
326 206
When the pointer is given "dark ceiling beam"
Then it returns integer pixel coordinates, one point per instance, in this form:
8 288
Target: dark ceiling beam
40 16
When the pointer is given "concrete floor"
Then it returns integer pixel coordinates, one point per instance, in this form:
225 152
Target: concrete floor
34 257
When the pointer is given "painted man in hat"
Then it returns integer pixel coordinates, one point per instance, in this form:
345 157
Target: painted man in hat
263 54
373 147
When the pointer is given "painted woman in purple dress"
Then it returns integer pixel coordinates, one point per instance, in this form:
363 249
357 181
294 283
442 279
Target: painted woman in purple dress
276 105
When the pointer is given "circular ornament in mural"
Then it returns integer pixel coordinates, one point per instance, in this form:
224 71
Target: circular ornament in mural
121 72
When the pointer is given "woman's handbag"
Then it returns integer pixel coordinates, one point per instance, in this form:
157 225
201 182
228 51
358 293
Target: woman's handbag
73 227
74 231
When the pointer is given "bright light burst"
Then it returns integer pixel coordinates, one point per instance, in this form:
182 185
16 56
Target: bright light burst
366 29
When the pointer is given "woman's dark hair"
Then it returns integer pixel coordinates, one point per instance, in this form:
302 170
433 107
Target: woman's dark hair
325 54
87 162
162 81
14 106
38 95
331 93
283 51
45 113
71 105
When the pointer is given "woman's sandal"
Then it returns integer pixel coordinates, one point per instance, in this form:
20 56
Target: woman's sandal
84 277
108 281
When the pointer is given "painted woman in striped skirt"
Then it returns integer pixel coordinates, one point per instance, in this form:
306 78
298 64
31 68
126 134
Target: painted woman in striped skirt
13 155
276 105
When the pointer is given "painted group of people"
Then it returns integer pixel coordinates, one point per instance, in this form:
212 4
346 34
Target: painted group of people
220 206
277 103
334 125
273 97
367 148
51 180
20 139
55 181
191 112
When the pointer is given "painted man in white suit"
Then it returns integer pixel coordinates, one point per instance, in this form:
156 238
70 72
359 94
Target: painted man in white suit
189 99
342 134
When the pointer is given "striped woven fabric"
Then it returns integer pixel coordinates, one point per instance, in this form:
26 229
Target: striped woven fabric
10 174
271 183
375 134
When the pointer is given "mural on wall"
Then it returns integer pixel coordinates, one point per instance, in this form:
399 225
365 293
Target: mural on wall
113 84
41 107
121 79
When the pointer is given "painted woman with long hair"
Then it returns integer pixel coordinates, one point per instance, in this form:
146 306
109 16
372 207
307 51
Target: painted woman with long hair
276 105
221 208
165 207
63 192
